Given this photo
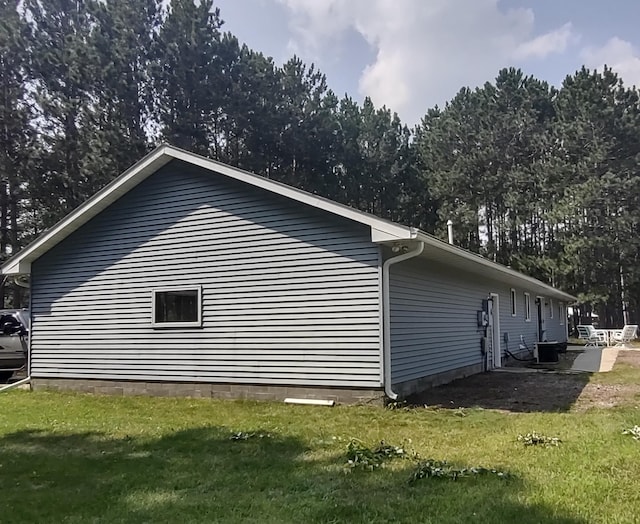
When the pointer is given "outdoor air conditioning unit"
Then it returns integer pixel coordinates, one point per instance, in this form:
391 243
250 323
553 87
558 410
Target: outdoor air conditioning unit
547 351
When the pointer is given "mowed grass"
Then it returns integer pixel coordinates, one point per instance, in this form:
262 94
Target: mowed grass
83 458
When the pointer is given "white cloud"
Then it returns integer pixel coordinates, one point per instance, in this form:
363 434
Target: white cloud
425 51
544 45
617 54
315 24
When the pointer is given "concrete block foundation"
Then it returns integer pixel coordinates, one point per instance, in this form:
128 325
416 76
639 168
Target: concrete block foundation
205 390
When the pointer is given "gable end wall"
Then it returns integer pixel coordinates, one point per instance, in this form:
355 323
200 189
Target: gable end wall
290 293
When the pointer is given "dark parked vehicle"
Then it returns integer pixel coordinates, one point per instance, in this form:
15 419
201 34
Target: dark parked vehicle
14 331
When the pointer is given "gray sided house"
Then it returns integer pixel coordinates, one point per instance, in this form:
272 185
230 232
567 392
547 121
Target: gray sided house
186 276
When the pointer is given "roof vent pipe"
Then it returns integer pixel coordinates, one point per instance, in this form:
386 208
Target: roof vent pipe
450 231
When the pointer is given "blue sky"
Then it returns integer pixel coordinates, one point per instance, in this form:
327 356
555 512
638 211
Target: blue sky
413 54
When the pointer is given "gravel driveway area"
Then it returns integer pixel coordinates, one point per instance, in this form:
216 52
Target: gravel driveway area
522 389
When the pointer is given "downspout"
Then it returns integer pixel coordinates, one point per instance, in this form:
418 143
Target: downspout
15 384
386 316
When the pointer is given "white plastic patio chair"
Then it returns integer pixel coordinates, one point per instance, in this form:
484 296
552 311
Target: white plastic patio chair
626 334
592 337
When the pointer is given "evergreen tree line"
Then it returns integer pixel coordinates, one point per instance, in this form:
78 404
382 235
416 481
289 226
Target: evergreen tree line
542 179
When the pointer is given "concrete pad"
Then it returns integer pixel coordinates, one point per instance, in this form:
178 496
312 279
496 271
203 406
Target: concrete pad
609 356
596 360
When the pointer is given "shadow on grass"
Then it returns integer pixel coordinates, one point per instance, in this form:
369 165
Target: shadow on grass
522 392
201 475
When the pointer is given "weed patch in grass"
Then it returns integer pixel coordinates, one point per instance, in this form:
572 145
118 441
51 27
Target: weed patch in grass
634 432
439 469
243 435
362 457
534 439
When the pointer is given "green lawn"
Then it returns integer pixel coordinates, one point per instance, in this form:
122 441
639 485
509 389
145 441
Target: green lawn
81 458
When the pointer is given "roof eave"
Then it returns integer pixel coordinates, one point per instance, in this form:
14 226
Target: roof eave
21 262
527 281
381 230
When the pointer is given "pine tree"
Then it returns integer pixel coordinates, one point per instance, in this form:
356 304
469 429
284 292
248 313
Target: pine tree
186 75
16 138
122 41
62 65
598 122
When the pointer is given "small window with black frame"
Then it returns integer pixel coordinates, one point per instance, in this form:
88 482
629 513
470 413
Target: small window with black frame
177 307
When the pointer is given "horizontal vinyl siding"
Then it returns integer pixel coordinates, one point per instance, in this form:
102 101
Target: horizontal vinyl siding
290 295
519 329
517 325
434 323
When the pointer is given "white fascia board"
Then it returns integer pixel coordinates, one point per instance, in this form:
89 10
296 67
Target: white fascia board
392 233
21 263
496 269
16 268
381 230
379 226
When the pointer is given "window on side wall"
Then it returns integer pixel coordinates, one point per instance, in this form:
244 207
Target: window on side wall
550 308
561 314
513 302
177 307
527 307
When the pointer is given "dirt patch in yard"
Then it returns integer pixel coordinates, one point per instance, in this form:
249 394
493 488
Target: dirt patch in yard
521 389
622 387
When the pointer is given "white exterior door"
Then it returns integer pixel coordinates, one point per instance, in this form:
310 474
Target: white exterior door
494 330
542 328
